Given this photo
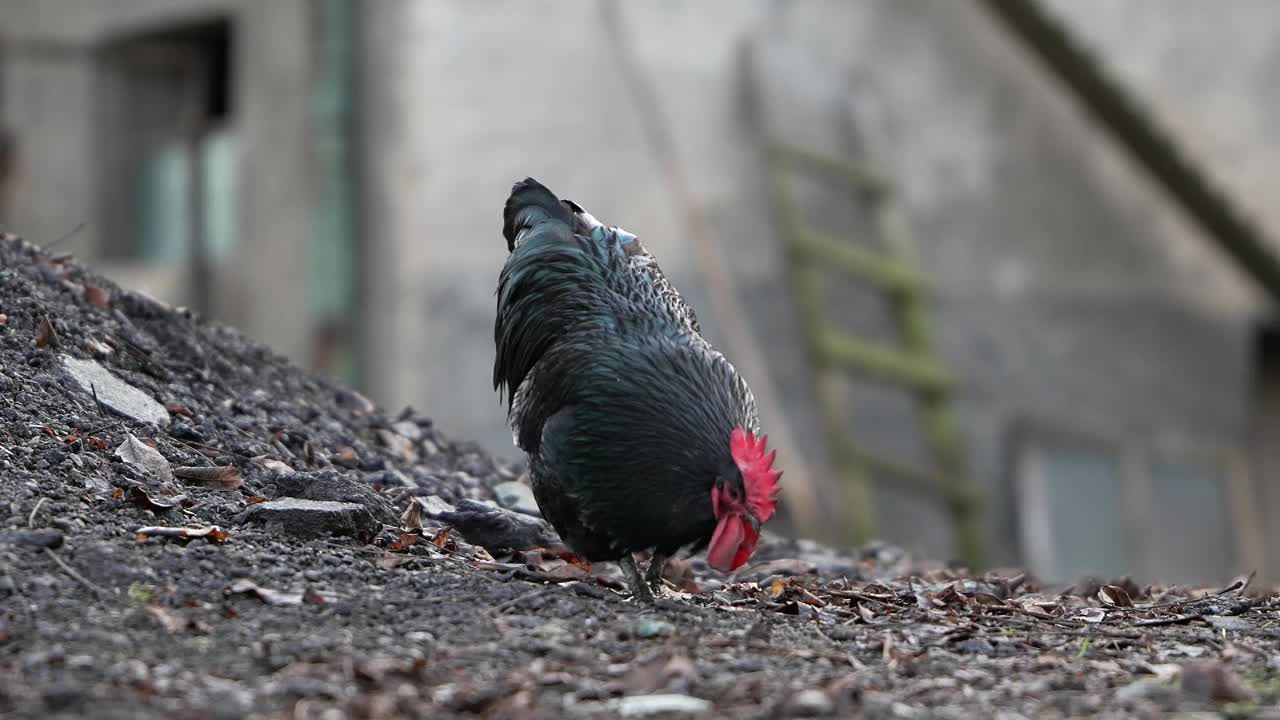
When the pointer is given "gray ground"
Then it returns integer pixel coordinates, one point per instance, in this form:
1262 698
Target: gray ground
382 588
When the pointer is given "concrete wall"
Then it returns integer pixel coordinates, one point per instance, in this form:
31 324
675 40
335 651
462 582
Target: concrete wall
1207 71
50 72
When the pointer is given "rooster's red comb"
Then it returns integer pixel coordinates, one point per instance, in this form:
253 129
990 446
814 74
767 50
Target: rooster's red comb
758 475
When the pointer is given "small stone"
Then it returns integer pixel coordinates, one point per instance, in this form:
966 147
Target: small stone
646 705
810 703
114 393
1213 680
1146 690
399 445
355 402
273 466
390 478
407 429
433 505
653 628
338 487
976 646
517 496
51 539
313 518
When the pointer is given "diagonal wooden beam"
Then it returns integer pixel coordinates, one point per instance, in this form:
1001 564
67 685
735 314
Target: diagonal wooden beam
1115 110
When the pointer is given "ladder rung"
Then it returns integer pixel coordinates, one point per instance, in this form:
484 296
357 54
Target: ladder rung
922 373
880 269
855 175
921 482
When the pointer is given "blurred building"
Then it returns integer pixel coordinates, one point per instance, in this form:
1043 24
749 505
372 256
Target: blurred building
328 175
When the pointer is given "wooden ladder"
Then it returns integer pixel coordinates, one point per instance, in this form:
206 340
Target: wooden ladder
812 256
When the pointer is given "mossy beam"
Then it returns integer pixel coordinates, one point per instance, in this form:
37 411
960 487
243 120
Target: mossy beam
1154 149
876 268
917 371
911 479
856 176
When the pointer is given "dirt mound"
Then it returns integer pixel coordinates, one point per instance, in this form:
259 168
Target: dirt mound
193 527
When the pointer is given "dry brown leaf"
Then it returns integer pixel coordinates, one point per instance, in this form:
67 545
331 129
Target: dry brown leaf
176 409
346 457
442 541
777 587
97 347
411 518
140 497
244 586
136 452
166 618
1115 596
4 319
868 616
404 542
1091 614
567 572
46 336
223 477
390 561
95 295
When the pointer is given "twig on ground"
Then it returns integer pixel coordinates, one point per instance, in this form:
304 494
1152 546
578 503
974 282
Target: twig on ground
101 410
72 572
1175 620
497 609
31 519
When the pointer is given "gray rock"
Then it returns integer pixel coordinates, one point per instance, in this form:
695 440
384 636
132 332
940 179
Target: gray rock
653 628
517 496
434 505
399 445
391 478
115 394
408 430
669 703
336 486
312 518
810 703
51 539
1147 690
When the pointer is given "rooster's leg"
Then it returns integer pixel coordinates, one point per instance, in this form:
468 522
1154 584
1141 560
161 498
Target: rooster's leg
639 590
657 564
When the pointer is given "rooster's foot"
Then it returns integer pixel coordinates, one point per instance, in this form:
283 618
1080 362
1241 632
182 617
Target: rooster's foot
639 588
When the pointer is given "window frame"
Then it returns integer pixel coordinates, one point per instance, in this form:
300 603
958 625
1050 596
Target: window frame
1135 456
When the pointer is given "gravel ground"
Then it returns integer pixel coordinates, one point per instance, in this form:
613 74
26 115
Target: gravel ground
194 528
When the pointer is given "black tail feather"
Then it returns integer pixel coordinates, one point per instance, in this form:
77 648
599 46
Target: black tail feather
530 202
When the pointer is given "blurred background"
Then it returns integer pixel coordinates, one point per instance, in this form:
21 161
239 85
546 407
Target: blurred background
998 270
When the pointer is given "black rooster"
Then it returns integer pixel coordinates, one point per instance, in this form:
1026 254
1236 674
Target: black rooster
640 435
